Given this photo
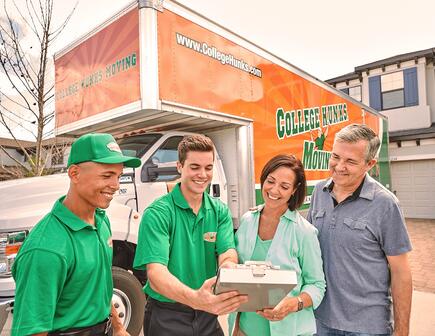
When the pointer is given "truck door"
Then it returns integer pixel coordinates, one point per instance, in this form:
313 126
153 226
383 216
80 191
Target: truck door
159 174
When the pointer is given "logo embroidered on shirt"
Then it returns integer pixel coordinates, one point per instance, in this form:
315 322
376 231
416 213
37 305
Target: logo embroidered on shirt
210 237
110 242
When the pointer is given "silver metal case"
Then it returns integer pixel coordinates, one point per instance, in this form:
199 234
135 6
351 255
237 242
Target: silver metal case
265 284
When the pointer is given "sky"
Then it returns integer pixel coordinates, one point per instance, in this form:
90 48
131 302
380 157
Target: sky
324 38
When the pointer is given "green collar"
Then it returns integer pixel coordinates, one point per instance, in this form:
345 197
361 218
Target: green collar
181 202
72 220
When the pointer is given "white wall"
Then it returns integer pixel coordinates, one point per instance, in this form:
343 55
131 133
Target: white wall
430 89
407 118
422 152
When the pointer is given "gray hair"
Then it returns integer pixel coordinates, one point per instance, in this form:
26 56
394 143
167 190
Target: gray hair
356 132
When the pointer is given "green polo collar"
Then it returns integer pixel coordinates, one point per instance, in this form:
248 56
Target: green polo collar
181 202
70 219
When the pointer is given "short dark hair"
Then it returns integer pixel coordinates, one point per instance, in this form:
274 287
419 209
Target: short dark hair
289 161
194 143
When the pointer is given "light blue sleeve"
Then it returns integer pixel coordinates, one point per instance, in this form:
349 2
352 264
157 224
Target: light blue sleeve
310 260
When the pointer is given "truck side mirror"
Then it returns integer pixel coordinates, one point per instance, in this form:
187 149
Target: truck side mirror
151 172
145 173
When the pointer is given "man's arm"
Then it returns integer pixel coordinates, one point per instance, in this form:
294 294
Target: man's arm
228 259
163 282
401 289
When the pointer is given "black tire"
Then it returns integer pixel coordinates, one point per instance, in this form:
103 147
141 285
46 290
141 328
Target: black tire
127 283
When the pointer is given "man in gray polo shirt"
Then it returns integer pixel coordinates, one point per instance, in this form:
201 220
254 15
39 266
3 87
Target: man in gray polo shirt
364 244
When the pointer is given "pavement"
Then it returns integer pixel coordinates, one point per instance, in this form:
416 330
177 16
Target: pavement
422 261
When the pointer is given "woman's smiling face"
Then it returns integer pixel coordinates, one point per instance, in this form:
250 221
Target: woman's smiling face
279 187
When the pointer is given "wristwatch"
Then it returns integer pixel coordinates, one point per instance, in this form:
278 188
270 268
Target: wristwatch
300 303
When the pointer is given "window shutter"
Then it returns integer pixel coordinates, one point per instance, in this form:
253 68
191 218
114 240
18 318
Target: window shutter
375 92
411 86
345 90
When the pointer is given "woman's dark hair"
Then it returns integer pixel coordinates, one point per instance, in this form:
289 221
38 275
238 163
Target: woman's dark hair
289 161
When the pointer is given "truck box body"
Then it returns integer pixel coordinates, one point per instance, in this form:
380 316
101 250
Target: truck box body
168 68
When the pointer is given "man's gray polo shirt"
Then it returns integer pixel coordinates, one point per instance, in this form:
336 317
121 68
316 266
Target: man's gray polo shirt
355 238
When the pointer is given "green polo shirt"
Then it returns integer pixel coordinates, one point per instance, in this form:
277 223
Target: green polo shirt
63 273
171 234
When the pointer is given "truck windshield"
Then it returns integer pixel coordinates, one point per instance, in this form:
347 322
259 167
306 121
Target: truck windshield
137 145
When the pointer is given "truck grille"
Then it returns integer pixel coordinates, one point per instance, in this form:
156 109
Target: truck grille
3 259
10 243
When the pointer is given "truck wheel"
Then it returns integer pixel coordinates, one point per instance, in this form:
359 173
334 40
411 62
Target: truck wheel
128 299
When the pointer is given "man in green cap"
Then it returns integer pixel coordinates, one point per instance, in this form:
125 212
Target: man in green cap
63 270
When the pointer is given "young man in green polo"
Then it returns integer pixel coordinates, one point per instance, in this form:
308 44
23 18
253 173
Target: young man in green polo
184 236
63 270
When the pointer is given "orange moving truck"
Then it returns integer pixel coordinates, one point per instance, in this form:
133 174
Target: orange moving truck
156 71
163 68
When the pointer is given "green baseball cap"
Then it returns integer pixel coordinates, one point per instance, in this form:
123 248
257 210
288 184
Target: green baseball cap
101 148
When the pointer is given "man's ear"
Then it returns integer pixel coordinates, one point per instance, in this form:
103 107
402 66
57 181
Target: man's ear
179 166
371 164
74 173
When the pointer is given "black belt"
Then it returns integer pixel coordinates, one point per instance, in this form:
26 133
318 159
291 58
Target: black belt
174 318
99 329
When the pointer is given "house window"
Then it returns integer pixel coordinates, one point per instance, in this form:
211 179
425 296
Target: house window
394 90
355 92
393 93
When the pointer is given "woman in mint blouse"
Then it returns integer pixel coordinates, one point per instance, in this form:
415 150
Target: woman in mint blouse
276 232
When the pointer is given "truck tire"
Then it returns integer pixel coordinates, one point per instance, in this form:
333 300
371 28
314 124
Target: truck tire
129 300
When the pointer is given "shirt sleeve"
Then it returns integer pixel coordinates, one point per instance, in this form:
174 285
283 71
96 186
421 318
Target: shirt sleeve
394 235
310 260
225 234
39 279
153 243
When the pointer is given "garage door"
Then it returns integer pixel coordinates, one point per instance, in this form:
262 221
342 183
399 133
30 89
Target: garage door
414 185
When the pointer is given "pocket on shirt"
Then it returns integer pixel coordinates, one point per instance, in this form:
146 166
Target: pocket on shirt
352 233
